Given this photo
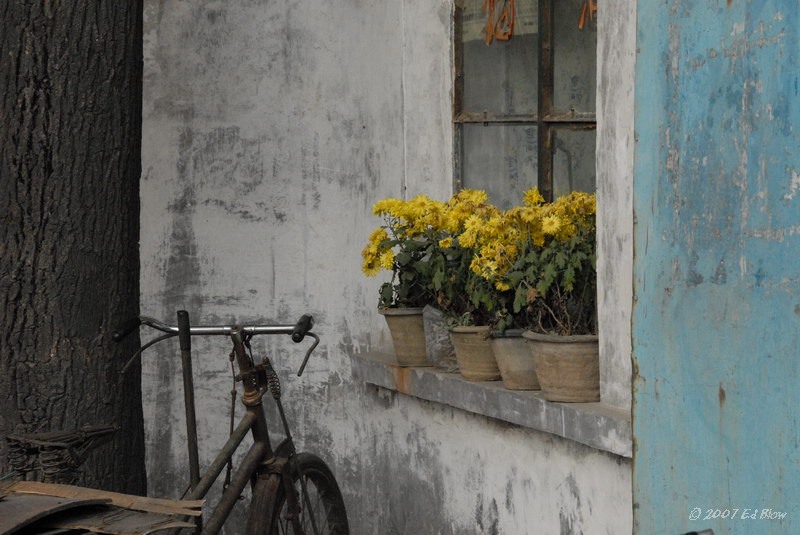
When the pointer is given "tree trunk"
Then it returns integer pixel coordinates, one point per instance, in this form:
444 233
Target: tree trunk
70 140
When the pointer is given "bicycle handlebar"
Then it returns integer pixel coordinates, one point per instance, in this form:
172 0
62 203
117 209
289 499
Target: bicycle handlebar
298 331
125 329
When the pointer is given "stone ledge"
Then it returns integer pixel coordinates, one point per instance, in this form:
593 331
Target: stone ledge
597 425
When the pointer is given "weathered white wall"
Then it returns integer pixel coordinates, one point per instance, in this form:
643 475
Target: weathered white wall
269 131
616 46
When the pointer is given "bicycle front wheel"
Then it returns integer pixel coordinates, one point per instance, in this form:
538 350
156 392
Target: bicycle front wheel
322 505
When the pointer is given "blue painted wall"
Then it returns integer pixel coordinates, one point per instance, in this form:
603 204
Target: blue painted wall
717 267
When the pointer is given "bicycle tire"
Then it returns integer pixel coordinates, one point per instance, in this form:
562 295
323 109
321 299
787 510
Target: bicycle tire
327 504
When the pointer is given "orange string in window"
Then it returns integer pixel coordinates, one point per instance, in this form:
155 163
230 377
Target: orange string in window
502 28
589 8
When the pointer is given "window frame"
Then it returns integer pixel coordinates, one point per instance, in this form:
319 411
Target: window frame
547 120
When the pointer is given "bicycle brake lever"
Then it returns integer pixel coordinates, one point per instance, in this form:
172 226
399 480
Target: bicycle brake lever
308 353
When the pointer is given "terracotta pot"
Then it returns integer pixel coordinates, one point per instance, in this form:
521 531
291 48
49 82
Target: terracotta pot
568 367
474 354
515 360
408 335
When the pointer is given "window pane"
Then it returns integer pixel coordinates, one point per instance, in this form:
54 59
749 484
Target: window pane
574 58
573 161
500 159
500 77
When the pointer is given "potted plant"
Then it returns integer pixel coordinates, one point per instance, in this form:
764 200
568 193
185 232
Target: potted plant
402 245
555 282
467 299
498 253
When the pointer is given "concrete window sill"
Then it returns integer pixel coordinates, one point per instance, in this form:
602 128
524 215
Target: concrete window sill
598 425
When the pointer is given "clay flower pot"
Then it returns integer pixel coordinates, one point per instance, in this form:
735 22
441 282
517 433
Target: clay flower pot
408 335
474 354
568 367
515 360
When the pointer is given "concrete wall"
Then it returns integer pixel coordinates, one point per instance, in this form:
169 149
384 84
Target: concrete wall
269 131
716 319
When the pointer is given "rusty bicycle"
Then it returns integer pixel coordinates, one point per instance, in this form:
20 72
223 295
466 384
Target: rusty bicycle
292 492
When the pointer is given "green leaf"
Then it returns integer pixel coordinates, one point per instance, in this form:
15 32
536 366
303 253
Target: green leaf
402 259
438 280
568 280
514 278
520 298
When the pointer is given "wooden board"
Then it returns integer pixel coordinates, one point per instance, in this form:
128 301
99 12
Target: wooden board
20 510
127 501
115 521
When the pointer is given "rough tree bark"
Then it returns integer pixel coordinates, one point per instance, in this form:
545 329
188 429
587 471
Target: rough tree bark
70 140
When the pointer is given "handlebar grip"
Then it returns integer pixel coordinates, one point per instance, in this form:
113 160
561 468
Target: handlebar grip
303 325
125 329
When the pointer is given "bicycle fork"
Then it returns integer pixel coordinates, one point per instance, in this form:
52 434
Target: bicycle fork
264 374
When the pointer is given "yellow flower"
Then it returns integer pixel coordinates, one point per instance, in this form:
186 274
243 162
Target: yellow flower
388 206
386 260
370 268
378 235
533 198
446 242
473 223
468 238
502 286
469 196
551 224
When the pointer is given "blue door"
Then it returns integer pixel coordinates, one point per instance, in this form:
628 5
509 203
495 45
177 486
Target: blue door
716 316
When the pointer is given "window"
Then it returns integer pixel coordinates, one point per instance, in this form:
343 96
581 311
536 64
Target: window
524 105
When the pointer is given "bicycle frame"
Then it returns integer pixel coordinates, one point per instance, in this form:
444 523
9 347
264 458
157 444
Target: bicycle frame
254 421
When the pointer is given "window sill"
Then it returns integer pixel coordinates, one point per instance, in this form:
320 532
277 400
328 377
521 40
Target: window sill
597 425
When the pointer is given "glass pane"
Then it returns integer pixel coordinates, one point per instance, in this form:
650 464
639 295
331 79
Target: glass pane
573 161
574 58
500 159
500 77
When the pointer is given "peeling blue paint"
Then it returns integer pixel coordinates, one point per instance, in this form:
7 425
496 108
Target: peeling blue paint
716 275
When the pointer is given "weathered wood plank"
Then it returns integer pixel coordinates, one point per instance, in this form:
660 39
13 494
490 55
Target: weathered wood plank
127 501
19 510
114 521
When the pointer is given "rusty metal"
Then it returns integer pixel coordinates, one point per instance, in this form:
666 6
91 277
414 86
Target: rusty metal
544 162
225 454
458 95
240 480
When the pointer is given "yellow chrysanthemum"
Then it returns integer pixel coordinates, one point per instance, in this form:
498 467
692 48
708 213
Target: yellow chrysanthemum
388 206
502 286
468 239
551 224
370 268
386 260
532 198
378 235
446 242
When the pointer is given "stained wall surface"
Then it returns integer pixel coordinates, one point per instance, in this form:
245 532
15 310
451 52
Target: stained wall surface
269 131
